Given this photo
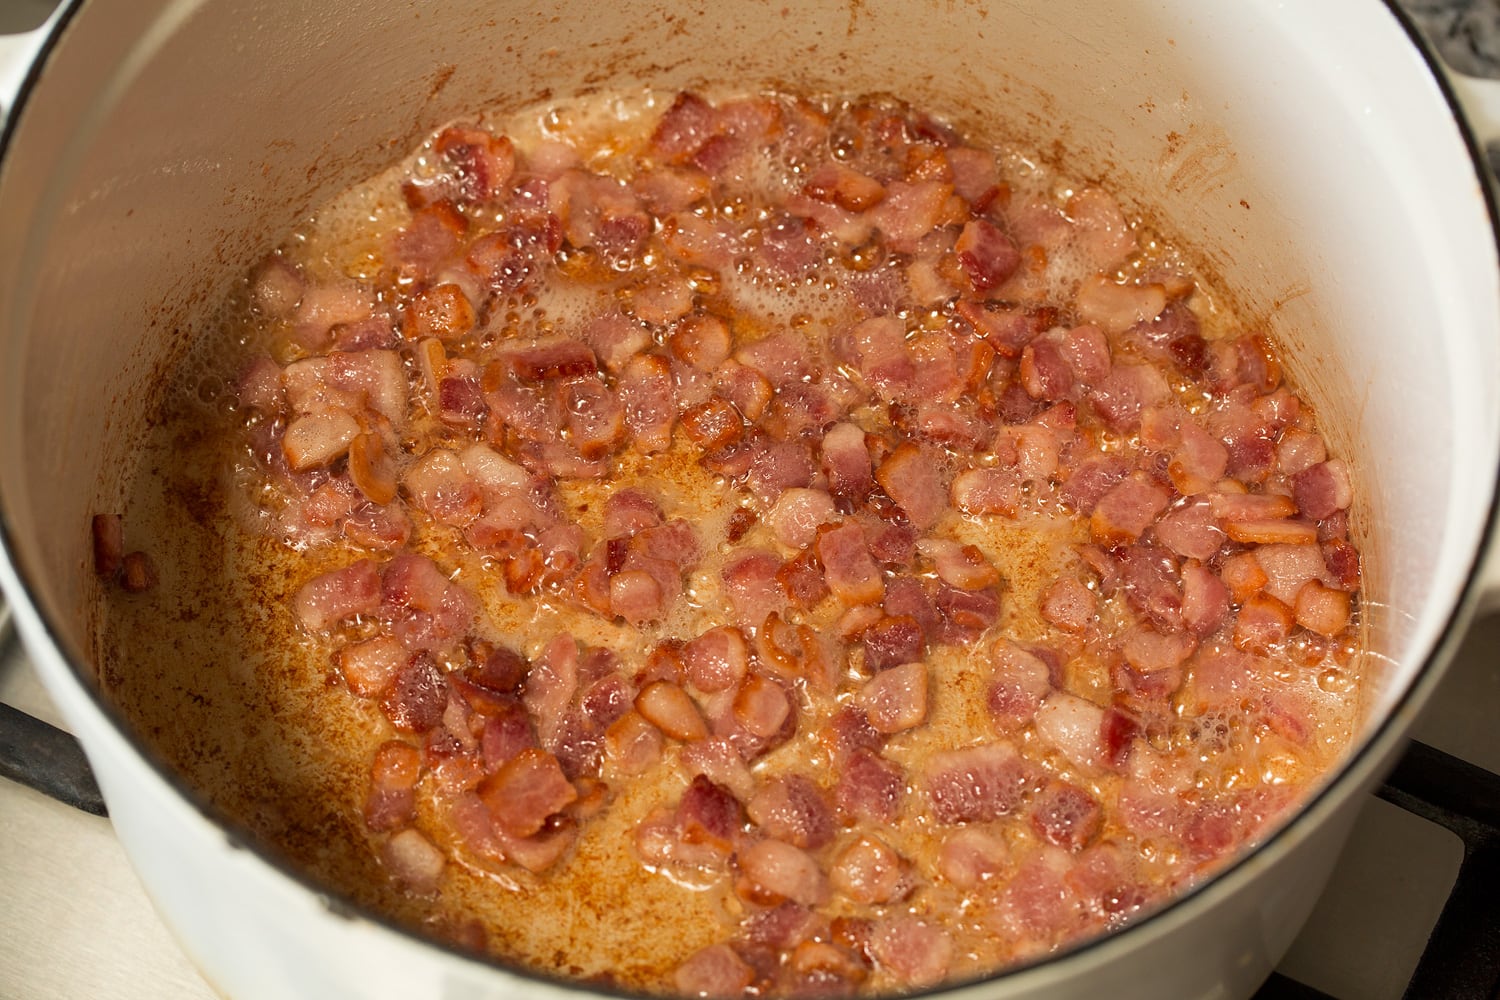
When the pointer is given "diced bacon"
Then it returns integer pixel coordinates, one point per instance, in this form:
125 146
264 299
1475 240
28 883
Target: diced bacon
138 573
440 484
432 238
1070 605
1191 531
967 614
1243 575
906 597
896 699
276 287
976 784
384 528
845 187
637 597
413 861
318 439
1091 479
714 971
1037 905
540 852
632 744
1103 233
913 477
1073 727
697 241
1066 815
442 311
776 467
1125 512
595 417
914 951
1115 307
846 465
986 491
970 858
869 787
762 707
793 809
1150 579
1205 600
797 514
615 338
415 700
1299 450
1044 371
1322 489
1019 682
911 211
1121 395
425 609
777 870
1199 461
337 595
1263 622
525 791
392 798
1149 651
1322 609
259 387
701 340
892 640
628 511
1342 562
751 584
1289 567
1250 507
369 667
961 566
869 871
671 189
646 392
324 306
482 162
716 660
684 128
670 709
848 568
986 255
781 357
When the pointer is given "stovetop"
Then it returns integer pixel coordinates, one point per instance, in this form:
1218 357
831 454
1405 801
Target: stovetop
74 921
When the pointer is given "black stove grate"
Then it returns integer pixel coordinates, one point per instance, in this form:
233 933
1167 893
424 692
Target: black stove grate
1462 958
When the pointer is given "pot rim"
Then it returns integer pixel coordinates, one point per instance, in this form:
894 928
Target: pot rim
1363 764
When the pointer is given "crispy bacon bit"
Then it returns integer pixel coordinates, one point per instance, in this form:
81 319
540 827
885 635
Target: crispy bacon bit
667 707
371 666
525 791
137 573
1322 609
392 798
415 700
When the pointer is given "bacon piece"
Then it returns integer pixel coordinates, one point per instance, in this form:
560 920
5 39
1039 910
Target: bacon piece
846 464
369 667
848 568
793 809
869 787
1121 396
961 566
1243 575
778 466
1125 512
647 394
1323 489
1150 580
970 858
109 544
986 491
716 660
413 861
914 951
440 484
1044 371
317 439
714 971
328 599
425 609
1073 726
1066 815
802 576
976 784
391 801
869 871
415 700
762 707
967 614
701 340
1205 600
1115 308
1191 531
1019 682
442 311
482 162
1288 568
525 791
751 584
137 573
632 744
1322 609
670 709
845 187
1263 622
777 870
892 640
911 211
1070 605
986 255
896 699
913 477
1091 479
798 513
1103 233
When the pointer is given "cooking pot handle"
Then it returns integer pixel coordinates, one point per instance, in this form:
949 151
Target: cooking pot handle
18 52
1480 99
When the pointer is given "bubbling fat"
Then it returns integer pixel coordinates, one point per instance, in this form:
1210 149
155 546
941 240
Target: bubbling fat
758 544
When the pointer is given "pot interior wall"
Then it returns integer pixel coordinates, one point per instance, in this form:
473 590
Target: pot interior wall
169 145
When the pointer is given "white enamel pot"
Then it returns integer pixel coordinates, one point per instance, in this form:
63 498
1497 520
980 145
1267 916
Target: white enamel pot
1309 151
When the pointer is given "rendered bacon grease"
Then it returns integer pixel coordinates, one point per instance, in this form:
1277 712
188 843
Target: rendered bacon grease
789 514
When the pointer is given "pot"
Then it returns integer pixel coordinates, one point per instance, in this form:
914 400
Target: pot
1310 155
